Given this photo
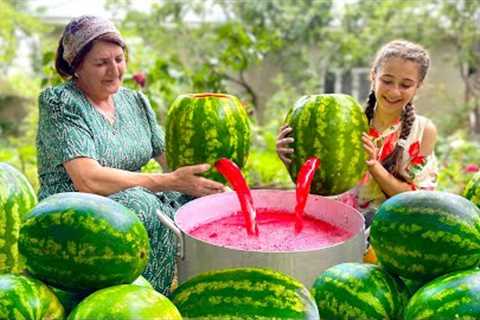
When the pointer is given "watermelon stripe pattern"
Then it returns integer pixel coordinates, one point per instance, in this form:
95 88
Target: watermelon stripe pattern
17 198
244 293
202 128
125 302
424 234
70 238
329 127
452 296
22 297
70 300
359 291
472 190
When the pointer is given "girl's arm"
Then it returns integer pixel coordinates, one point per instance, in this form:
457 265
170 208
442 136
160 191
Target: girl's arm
389 184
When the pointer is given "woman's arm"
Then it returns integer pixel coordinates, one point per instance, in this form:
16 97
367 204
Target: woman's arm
389 184
89 176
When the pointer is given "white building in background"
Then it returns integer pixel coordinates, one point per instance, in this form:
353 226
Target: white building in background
29 49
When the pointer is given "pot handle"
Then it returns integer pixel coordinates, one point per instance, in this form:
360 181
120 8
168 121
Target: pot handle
167 222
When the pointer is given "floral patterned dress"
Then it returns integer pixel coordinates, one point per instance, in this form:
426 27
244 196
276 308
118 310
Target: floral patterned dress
70 127
419 171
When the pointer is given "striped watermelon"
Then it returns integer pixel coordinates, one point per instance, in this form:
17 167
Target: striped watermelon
16 199
452 296
424 234
124 302
78 241
472 190
244 293
412 285
330 127
359 291
69 300
204 127
23 297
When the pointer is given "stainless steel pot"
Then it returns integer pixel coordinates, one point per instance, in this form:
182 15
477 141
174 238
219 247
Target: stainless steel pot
196 256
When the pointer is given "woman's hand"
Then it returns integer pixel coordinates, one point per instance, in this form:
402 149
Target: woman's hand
371 149
283 142
187 180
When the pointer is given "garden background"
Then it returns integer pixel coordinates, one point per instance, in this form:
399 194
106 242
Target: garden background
268 53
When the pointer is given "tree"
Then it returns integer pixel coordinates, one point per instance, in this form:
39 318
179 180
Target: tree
215 55
14 20
459 24
366 25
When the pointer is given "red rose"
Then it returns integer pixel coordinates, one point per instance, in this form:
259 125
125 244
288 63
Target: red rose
471 168
139 78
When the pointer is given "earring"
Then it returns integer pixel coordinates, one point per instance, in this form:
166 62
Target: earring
76 75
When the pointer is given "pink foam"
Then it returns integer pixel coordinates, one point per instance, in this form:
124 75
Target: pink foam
276 232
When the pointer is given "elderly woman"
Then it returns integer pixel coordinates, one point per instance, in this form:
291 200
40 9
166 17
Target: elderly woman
94 136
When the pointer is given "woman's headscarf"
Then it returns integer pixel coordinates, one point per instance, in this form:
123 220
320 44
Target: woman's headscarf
80 31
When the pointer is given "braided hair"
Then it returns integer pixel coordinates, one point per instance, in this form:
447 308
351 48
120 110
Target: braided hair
407 51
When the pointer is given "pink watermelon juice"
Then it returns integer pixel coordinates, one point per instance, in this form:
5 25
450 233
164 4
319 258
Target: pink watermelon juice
304 180
276 232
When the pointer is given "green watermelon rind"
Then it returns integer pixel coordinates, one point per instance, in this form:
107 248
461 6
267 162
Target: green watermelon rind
23 297
243 293
452 296
202 128
421 235
359 291
82 242
17 198
124 302
472 189
329 127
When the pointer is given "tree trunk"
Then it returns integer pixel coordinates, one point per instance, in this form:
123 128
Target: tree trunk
475 119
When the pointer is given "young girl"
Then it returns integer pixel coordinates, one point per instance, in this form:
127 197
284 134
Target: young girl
400 143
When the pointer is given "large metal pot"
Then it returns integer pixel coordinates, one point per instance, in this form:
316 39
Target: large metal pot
196 256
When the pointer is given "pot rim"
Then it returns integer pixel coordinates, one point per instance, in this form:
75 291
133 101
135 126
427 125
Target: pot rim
257 193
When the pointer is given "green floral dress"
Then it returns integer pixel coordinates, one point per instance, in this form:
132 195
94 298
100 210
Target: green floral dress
70 127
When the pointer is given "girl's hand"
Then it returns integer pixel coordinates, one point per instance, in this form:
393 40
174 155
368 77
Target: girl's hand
283 142
187 180
371 149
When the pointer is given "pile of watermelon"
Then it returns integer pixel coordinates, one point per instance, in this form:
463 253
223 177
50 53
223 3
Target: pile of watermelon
428 249
83 256
80 256
73 254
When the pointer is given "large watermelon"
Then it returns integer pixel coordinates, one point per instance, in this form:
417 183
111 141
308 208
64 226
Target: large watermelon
244 293
23 297
329 127
359 291
204 127
424 234
452 296
78 241
16 199
125 302
472 189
